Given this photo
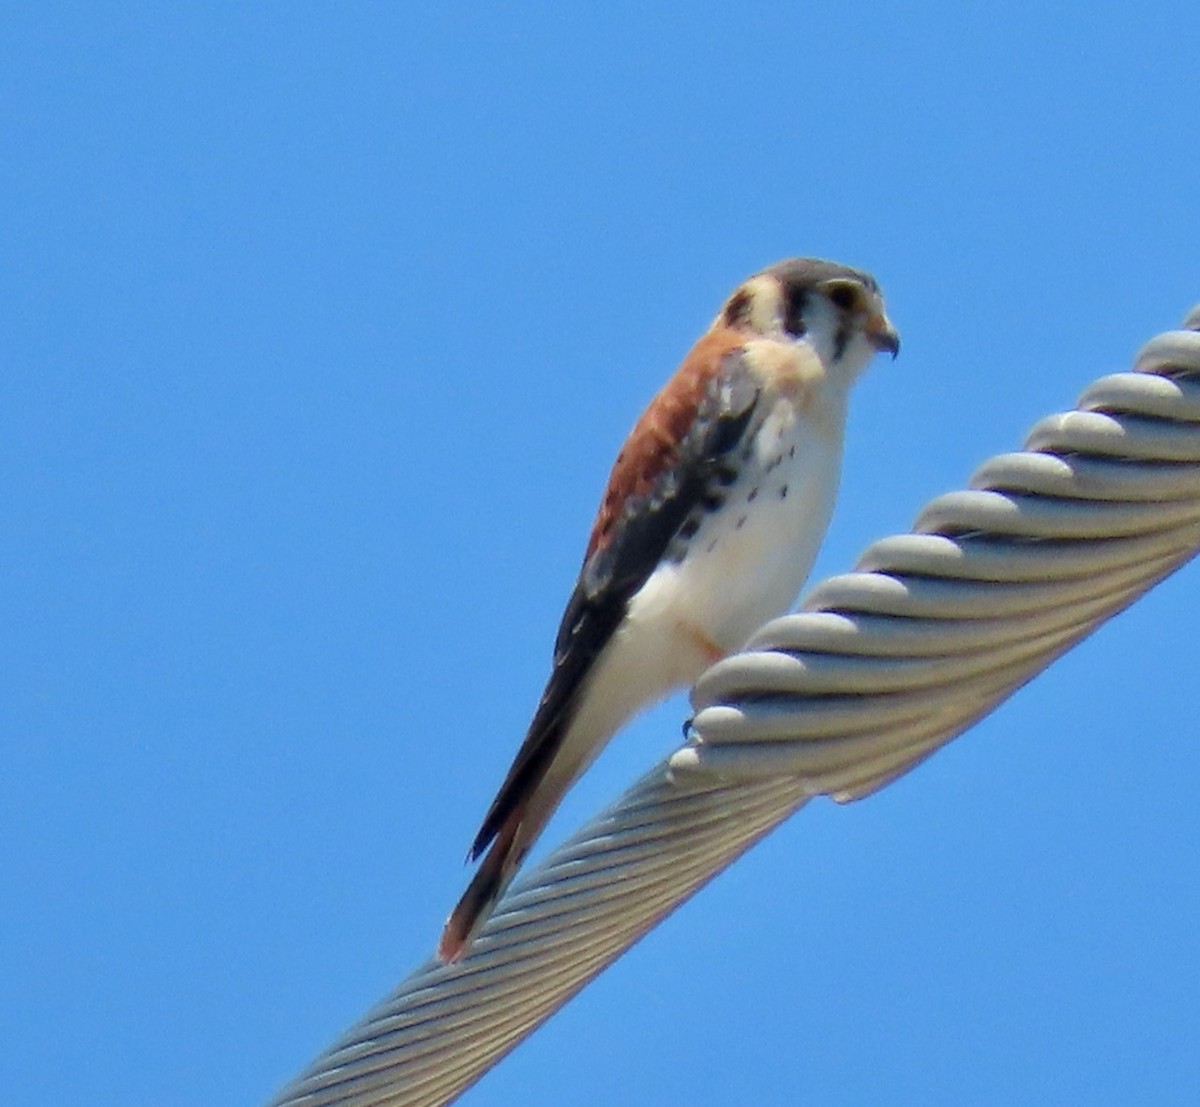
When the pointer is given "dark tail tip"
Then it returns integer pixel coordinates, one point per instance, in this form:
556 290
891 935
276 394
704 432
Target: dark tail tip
453 942
476 905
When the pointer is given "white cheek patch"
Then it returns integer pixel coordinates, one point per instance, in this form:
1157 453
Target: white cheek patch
762 316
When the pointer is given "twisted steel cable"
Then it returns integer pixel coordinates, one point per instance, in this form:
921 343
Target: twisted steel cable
880 668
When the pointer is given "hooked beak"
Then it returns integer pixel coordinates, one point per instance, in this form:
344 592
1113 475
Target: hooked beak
883 335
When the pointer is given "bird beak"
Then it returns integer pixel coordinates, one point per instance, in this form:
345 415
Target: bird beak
883 335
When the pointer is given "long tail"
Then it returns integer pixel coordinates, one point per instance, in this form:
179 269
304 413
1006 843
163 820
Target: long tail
485 889
571 726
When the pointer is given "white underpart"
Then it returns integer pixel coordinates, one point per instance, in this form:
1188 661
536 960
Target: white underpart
748 561
733 578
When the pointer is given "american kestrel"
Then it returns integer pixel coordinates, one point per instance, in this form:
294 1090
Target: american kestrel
708 527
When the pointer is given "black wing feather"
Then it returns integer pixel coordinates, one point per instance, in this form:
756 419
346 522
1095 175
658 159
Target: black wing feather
613 574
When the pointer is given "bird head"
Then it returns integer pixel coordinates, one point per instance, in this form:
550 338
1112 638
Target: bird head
836 310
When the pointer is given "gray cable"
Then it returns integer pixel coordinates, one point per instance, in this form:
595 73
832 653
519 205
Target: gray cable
880 668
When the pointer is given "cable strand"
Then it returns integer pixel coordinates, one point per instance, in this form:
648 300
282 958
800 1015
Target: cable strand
879 669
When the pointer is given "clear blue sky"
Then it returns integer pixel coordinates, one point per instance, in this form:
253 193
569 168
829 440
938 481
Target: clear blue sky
320 326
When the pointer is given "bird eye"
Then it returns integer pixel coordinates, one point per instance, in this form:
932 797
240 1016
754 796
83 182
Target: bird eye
843 296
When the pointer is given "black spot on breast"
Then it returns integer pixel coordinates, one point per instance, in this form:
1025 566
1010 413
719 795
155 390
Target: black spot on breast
753 495
783 492
792 450
741 523
773 464
711 546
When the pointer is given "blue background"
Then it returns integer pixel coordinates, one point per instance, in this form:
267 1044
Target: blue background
320 326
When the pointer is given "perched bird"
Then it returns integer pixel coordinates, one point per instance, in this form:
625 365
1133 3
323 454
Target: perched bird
710 523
